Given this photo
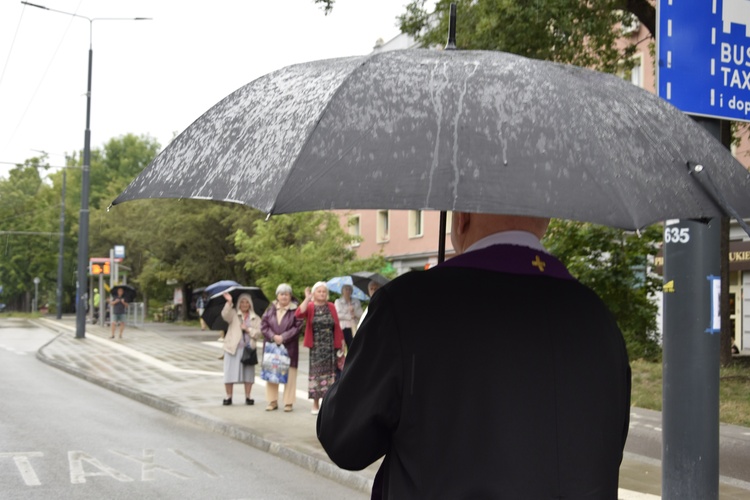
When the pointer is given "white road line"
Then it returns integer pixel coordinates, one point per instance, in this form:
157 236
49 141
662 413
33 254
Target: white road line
23 464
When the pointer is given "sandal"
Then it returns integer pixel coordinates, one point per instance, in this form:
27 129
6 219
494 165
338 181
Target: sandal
273 405
287 408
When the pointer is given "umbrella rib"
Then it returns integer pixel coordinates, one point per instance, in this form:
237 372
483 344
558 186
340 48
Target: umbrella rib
703 177
303 188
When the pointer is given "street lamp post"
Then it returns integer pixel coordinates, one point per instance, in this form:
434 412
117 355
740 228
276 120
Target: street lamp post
36 294
61 250
83 221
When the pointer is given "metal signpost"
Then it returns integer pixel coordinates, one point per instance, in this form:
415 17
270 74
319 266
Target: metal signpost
704 70
119 253
35 308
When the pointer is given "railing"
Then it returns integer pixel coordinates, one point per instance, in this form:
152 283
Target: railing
135 314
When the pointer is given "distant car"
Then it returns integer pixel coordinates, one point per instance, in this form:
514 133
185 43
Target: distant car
2 307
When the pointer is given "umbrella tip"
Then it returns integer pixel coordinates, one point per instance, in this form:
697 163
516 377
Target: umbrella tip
451 45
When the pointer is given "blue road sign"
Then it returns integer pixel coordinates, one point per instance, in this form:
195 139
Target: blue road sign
704 57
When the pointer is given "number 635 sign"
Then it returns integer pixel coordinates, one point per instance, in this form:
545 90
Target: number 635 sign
676 235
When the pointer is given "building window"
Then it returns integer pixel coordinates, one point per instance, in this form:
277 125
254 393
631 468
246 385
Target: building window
355 230
383 226
634 71
416 222
448 221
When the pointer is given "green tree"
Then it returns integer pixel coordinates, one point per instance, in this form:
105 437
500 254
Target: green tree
567 31
327 5
614 263
29 233
300 249
191 242
187 241
570 31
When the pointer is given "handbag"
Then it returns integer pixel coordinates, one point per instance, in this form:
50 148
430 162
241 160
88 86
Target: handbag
275 365
249 356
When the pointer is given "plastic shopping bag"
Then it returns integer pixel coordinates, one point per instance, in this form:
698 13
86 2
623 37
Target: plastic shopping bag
275 366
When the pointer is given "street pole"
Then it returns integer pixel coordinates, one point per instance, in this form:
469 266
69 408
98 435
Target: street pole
102 299
83 217
112 281
83 220
61 251
36 295
690 409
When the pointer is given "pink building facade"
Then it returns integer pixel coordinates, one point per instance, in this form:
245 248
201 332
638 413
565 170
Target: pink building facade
408 238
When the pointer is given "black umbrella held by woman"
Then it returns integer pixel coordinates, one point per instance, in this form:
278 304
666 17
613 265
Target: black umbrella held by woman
362 280
212 312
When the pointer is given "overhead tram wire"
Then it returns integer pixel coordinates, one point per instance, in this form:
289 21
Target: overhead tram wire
10 50
44 75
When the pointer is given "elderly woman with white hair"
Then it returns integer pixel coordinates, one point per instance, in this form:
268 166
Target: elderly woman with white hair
324 337
243 329
280 325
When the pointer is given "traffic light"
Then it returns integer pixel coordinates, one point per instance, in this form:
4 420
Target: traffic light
97 269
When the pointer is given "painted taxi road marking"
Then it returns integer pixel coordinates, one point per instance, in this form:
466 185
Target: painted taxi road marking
83 465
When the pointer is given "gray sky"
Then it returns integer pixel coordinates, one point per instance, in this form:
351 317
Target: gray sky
155 77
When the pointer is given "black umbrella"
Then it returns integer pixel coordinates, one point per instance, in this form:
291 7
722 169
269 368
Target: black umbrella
474 131
362 279
128 292
212 312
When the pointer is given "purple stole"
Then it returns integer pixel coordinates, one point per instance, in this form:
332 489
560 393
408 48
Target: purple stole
513 259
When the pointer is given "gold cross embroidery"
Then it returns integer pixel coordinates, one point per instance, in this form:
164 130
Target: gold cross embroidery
538 263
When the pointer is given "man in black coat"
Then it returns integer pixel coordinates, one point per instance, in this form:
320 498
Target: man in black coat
493 375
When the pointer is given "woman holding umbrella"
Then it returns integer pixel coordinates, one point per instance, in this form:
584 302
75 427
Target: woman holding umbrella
349 310
243 329
324 337
280 325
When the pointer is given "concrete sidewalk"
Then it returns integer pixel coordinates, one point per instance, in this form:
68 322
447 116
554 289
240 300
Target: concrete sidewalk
176 369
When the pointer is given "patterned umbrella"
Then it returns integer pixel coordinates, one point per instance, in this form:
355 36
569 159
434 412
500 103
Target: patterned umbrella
335 284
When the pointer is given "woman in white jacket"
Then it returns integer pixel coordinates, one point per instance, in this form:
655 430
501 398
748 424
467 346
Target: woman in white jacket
244 329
